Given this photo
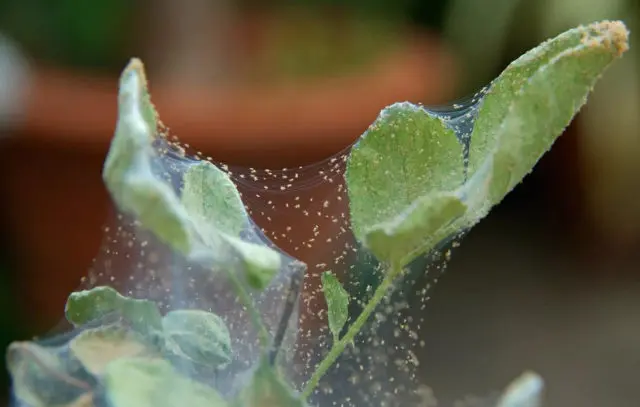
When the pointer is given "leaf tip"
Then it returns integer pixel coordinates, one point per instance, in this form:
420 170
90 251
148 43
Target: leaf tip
614 35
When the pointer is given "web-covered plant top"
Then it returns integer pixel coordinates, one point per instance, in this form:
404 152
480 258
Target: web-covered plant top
192 303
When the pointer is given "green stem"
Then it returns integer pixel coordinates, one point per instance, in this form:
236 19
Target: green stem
339 346
263 335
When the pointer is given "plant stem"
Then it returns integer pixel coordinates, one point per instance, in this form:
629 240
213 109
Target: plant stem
339 346
263 335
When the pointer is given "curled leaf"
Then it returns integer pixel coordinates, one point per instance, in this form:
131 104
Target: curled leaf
337 303
141 382
427 222
89 305
197 337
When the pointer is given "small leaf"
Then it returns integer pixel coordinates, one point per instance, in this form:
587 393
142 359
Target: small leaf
205 221
525 391
212 200
530 104
140 382
218 215
268 389
89 305
260 262
197 336
337 303
406 155
41 378
96 348
429 220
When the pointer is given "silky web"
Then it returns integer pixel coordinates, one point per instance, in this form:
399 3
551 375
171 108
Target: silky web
303 213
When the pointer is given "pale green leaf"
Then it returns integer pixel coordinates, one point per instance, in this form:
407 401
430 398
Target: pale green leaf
428 221
41 378
141 382
89 305
212 200
525 391
337 303
127 169
268 389
530 104
96 348
404 156
205 221
197 337
260 262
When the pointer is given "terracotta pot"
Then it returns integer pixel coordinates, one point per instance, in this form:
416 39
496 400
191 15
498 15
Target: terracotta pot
55 202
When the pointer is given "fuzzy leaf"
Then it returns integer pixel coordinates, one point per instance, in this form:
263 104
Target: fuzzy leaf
205 221
127 169
218 215
525 391
404 156
427 222
212 200
531 103
96 348
260 262
88 305
337 303
268 389
139 382
198 337
41 378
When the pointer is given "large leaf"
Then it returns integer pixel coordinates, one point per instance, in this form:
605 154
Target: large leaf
205 221
90 305
197 337
530 104
96 348
140 382
406 156
337 303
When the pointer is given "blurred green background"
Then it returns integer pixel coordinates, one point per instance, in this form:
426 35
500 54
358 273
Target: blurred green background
538 275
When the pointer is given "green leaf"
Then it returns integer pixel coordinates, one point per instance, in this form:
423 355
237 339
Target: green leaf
337 303
531 103
525 391
212 200
402 163
268 389
96 348
139 382
205 221
41 378
127 169
430 220
218 215
88 305
260 262
197 336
